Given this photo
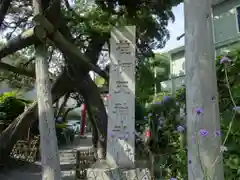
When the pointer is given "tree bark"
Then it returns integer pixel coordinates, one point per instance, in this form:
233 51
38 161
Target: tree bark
92 53
20 125
94 126
201 92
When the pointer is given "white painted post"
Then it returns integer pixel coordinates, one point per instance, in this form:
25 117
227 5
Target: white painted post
121 107
201 92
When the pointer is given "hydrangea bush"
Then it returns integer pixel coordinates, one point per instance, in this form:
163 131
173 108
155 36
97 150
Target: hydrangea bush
170 144
168 137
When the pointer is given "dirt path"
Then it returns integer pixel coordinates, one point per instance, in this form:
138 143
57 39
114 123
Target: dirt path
67 161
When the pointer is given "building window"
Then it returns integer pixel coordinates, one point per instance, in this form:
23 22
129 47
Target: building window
238 18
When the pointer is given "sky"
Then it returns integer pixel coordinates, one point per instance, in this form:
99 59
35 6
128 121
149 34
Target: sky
176 29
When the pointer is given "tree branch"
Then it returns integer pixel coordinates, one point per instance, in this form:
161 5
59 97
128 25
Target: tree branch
95 137
65 46
68 111
16 70
25 39
61 109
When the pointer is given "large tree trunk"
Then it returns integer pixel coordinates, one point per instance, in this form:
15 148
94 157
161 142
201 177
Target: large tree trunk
92 94
19 127
88 87
93 123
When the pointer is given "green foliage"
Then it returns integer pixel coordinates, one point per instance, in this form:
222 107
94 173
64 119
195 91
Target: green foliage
99 81
10 106
232 155
166 142
8 94
14 80
94 19
181 95
150 72
139 111
151 18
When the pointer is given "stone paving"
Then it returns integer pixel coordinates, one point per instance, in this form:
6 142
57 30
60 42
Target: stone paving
67 161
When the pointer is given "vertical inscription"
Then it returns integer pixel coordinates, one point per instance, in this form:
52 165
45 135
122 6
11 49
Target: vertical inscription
121 108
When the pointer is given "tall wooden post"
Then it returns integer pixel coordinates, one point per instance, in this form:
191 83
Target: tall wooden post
48 140
201 93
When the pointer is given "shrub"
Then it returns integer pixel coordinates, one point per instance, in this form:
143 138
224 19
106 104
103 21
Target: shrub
229 90
10 106
167 143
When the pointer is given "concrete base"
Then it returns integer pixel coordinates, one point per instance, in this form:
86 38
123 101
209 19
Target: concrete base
101 171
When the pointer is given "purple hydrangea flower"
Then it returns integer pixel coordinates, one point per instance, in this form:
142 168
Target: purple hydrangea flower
198 110
173 179
150 114
145 117
203 132
225 60
165 98
180 128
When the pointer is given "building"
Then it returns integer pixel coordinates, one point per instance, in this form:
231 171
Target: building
226 27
